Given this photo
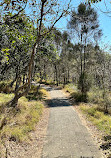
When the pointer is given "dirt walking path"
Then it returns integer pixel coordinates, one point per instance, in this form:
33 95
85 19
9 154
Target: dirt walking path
66 136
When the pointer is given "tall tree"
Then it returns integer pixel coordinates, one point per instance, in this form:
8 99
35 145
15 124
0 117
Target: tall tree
85 25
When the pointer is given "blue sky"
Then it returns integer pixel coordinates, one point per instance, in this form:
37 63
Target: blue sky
104 20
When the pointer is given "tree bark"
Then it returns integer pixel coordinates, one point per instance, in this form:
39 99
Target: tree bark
68 75
56 74
81 54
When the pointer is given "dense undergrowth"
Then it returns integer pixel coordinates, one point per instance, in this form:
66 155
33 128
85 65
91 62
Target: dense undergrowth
94 96
16 123
5 87
47 82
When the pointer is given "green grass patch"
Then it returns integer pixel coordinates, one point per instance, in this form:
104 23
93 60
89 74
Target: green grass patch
4 98
97 117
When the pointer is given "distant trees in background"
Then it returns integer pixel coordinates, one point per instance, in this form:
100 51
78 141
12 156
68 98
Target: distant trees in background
84 25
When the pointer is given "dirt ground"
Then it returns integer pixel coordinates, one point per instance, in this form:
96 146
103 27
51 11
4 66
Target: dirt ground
33 148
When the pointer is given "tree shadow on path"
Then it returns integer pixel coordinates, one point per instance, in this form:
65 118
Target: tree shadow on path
58 102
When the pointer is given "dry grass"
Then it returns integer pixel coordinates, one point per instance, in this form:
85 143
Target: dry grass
16 123
4 98
20 121
97 117
70 88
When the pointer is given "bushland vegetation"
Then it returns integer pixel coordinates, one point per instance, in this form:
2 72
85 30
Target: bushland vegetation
32 49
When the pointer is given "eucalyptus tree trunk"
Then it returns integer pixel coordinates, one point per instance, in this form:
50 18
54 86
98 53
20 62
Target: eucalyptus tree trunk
56 74
85 56
81 55
81 73
68 76
23 78
23 90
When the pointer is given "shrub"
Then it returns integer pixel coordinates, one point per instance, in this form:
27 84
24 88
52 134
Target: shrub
95 95
79 97
70 88
36 93
5 87
98 114
84 83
